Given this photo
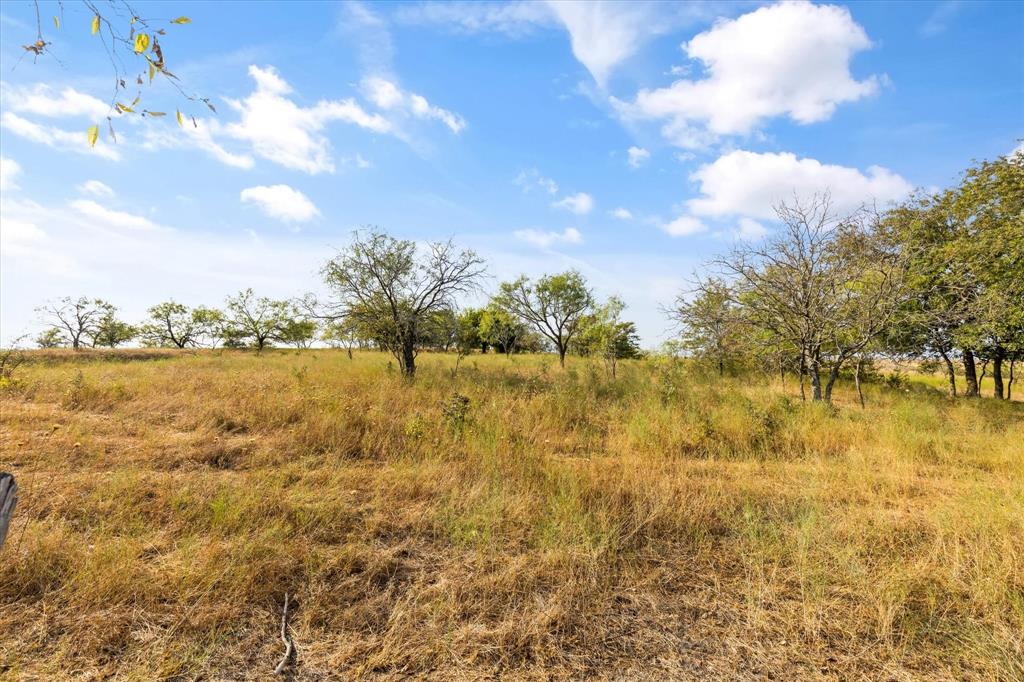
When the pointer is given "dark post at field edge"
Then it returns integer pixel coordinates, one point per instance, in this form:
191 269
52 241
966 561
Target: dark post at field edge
8 498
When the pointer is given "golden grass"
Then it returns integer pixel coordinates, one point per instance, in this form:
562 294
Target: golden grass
663 526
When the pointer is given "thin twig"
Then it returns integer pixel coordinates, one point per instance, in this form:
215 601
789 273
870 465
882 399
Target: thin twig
289 645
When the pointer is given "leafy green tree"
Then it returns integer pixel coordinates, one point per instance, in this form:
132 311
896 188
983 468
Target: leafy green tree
608 337
710 322
500 329
470 331
555 306
51 338
299 332
257 321
175 325
989 208
112 332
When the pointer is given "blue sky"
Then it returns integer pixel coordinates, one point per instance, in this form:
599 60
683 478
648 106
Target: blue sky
631 141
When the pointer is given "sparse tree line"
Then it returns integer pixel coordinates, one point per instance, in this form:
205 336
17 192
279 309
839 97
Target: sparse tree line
938 278
384 295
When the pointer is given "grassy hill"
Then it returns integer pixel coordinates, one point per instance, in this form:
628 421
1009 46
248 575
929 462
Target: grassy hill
513 520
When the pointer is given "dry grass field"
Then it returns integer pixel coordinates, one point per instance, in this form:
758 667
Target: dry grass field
555 525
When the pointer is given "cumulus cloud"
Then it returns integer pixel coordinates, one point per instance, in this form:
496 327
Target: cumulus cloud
684 226
621 213
546 238
111 218
386 94
580 203
638 156
751 184
9 168
789 59
281 131
56 138
281 202
42 100
95 188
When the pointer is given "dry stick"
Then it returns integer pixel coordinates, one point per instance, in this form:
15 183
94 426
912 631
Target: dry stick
289 646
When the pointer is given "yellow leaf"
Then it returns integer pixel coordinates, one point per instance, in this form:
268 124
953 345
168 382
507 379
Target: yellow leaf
181 121
181 20
123 109
136 101
152 72
156 113
56 22
141 43
94 134
95 24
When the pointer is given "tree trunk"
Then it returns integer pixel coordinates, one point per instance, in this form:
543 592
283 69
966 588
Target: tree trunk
970 374
856 378
721 366
803 374
561 356
815 371
349 349
1009 385
950 371
408 359
997 374
833 374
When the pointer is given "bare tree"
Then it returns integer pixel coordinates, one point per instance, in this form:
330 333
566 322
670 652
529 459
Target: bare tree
78 318
826 285
389 290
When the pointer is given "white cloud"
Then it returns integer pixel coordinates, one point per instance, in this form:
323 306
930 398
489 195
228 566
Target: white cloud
546 238
82 254
940 18
750 229
56 138
605 34
638 156
198 134
683 226
580 203
281 202
386 94
751 184
789 59
283 132
514 19
95 188
529 179
42 100
621 214
111 218
9 168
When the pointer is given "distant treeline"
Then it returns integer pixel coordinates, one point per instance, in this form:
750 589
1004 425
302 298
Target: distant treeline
940 277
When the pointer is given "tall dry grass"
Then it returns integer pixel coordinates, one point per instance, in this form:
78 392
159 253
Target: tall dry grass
665 525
